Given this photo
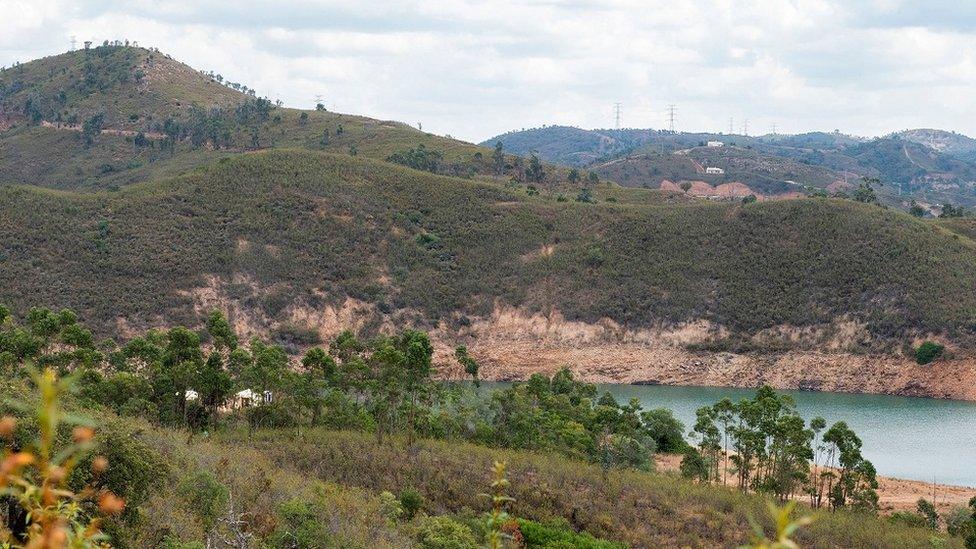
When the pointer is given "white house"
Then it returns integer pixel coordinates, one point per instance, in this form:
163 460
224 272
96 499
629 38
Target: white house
714 171
715 144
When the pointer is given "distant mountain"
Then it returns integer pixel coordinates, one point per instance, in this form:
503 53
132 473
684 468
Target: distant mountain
928 166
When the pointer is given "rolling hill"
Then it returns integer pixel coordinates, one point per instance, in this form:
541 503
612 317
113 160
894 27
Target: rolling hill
299 234
927 166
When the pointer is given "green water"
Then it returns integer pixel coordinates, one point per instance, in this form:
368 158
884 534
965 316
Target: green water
914 438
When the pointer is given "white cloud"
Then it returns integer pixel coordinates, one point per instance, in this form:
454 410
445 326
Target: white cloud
474 69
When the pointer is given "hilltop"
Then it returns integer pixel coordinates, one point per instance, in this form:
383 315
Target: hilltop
114 115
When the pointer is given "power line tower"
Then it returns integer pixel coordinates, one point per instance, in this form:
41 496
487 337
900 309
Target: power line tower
74 42
745 127
672 111
731 131
616 115
318 100
774 129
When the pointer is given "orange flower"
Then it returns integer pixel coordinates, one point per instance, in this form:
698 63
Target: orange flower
99 464
83 434
110 504
7 426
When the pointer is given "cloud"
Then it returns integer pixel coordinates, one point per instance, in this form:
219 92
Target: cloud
475 69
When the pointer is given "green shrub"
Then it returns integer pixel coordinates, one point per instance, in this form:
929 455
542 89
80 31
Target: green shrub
445 533
299 527
206 496
411 501
559 535
928 351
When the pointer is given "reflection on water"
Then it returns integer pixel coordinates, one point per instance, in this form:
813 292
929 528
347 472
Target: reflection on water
914 438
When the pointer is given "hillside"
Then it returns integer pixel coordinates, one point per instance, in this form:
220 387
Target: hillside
952 143
322 487
114 115
285 236
926 166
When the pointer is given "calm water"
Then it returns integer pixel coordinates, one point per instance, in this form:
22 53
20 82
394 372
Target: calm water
914 438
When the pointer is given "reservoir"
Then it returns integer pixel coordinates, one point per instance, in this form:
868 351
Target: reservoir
922 439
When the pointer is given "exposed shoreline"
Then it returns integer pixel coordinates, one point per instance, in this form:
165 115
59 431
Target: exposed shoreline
641 364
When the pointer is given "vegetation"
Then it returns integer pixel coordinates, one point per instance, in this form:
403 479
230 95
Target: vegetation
928 351
248 480
263 249
769 448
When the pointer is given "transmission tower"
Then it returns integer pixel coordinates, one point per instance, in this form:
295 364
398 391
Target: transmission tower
745 127
672 111
616 115
731 131
74 41
774 129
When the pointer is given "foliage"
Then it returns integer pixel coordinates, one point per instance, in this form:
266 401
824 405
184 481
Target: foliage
47 513
928 351
770 449
786 526
445 533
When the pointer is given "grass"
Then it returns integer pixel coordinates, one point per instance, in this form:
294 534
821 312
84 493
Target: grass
641 509
311 228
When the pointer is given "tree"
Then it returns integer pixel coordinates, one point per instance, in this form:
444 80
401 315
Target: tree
685 186
213 384
585 195
535 173
303 118
916 210
948 211
177 372
498 158
593 178
468 362
574 176
92 127
221 332
865 190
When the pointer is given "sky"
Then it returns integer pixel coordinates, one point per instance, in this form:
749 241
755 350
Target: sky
474 69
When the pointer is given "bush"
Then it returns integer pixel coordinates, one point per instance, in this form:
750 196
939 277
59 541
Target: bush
445 533
411 501
928 351
207 497
558 534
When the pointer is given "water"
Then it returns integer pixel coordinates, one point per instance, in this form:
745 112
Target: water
922 439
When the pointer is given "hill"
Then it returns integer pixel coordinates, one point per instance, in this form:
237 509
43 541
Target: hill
286 235
952 143
908 166
114 115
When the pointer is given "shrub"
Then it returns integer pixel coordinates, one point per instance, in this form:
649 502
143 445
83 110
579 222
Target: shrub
411 501
558 534
445 533
207 497
928 351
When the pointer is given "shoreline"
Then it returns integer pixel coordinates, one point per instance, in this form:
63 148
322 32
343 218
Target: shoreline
504 359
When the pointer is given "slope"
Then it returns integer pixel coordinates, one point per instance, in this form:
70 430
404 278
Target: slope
285 235
113 115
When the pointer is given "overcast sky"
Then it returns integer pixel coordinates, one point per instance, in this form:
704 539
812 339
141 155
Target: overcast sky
473 69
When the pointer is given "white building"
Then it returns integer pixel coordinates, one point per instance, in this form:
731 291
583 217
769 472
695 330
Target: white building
715 144
714 171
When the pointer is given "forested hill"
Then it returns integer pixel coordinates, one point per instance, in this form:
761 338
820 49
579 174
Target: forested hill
295 218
